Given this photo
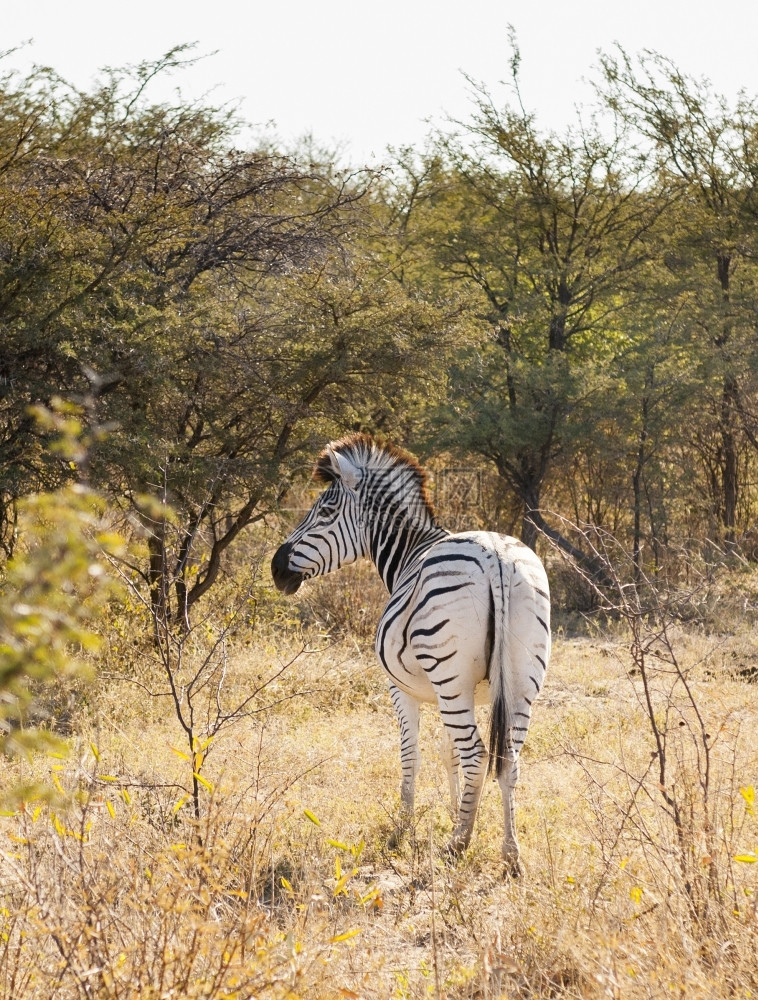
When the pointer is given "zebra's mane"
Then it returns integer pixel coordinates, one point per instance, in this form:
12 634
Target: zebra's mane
374 456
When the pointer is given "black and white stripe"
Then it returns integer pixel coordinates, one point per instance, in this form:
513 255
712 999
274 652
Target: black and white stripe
468 617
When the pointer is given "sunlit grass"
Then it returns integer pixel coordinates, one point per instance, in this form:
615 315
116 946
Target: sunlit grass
288 886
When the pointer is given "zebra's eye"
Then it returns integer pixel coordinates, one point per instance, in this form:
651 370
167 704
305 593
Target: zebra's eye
327 510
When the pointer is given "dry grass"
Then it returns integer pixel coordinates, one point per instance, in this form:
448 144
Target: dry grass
288 888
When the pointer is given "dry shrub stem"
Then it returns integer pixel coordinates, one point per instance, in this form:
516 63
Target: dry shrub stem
194 661
682 756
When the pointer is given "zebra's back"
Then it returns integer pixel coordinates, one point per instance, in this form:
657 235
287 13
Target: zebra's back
435 638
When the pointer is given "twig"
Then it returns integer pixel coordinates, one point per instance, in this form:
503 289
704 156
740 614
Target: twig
435 950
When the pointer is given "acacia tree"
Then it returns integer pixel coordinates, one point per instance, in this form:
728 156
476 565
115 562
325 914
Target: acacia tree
708 151
118 222
210 305
315 352
546 235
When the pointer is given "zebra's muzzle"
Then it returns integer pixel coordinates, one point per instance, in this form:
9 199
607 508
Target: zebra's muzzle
287 580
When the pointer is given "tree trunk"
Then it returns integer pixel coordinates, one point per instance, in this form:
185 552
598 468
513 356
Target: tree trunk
637 492
529 530
589 564
533 524
159 600
729 413
729 460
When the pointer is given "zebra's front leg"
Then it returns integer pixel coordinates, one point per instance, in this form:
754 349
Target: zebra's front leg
407 711
460 725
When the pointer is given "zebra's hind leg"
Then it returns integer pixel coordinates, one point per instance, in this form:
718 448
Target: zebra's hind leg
460 724
407 711
508 779
451 760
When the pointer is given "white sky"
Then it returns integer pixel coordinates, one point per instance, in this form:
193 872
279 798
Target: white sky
366 75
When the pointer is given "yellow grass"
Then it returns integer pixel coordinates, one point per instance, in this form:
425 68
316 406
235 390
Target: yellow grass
289 887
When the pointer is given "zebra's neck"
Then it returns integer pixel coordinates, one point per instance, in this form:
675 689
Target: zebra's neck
398 532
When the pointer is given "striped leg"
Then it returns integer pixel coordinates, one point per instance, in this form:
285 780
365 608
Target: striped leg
451 760
530 644
407 711
460 724
508 780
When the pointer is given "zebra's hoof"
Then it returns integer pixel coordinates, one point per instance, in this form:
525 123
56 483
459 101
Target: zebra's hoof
455 847
513 868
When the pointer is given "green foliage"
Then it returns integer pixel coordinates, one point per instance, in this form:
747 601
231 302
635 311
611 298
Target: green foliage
704 148
213 307
576 310
606 290
52 587
546 237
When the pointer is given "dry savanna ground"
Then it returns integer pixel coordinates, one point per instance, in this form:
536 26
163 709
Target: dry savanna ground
293 884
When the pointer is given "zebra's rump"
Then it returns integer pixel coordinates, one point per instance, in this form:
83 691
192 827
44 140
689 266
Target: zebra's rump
435 636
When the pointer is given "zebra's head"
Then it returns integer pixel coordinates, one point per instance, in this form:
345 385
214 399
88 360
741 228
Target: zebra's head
330 535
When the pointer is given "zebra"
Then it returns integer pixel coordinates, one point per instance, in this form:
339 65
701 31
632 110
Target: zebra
468 617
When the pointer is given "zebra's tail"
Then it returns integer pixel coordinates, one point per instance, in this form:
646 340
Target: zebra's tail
499 676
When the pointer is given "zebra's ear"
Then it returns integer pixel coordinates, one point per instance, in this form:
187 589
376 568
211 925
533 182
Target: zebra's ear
344 469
